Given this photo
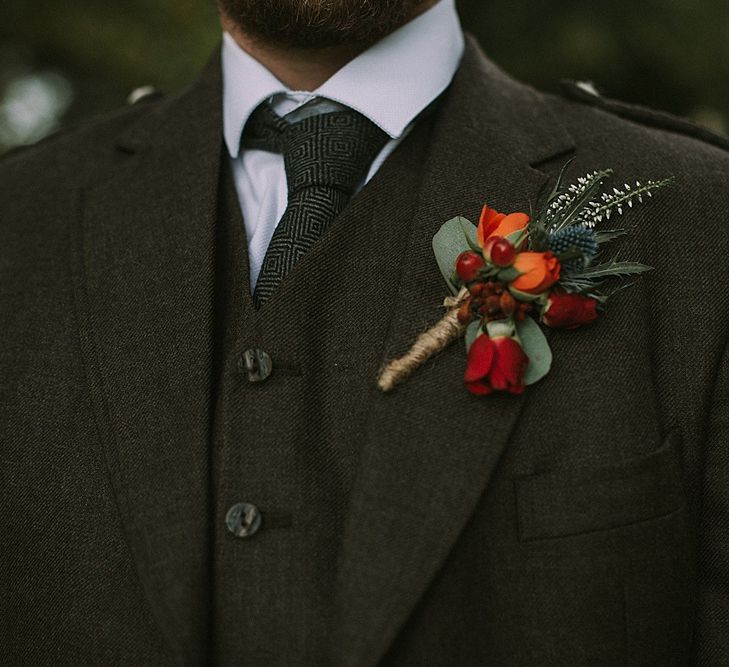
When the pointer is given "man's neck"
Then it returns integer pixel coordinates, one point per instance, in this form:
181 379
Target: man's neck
300 69
297 69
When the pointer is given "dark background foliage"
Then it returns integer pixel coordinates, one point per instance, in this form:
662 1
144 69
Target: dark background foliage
63 62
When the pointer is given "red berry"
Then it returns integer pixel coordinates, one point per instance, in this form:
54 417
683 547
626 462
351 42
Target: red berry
464 312
507 304
500 251
468 264
477 289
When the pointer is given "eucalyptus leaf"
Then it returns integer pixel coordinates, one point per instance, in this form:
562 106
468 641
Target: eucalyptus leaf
472 244
472 333
536 347
451 241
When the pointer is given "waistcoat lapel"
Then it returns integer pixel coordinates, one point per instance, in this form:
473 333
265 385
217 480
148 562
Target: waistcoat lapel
143 270
431 447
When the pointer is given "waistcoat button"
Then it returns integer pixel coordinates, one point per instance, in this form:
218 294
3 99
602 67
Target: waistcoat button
243 520
256 365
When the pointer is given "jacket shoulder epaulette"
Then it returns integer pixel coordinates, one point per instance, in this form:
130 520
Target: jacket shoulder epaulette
137 99
586 93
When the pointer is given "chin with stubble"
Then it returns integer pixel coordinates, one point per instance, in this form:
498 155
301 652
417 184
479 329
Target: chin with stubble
309 24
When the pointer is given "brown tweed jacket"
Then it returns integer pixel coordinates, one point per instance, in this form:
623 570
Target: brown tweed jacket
585 523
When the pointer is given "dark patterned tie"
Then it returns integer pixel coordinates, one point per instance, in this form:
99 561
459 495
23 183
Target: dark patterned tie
326 157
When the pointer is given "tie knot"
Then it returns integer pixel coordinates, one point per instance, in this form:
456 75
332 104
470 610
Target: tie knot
332 150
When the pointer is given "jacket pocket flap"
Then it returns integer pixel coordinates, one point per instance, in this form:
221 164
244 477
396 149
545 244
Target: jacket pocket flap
558 504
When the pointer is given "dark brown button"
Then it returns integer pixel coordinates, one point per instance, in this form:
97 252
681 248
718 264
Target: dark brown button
256 365
243 520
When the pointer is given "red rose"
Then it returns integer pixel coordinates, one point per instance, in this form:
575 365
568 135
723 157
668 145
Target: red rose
569 311
495 364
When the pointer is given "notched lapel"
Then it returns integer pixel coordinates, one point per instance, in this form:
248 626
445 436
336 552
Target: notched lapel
431 447
143 266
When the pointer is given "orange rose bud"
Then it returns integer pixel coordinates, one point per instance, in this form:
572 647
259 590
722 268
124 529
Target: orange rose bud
493 223
539 271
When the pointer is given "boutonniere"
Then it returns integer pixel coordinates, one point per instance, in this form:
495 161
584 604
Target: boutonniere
513 271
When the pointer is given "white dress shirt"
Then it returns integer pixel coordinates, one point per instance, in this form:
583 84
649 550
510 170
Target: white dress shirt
390 83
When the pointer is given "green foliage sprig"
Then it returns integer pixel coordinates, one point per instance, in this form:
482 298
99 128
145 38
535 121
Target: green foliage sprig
581 206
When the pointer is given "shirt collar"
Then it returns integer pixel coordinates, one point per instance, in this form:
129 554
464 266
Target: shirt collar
390 83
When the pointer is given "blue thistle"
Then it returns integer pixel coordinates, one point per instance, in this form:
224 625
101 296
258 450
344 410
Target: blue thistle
578 238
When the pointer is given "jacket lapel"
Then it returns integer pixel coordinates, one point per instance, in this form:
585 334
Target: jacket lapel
143 268
431 447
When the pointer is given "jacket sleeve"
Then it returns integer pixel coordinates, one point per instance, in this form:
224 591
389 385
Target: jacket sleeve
711 640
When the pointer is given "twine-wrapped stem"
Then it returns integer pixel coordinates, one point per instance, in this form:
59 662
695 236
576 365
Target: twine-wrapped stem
427 345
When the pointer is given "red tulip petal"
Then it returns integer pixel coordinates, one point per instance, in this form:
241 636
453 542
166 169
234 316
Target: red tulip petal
509 365
480 358
498 381
479 388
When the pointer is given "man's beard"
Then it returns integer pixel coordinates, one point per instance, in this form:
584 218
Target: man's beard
320 23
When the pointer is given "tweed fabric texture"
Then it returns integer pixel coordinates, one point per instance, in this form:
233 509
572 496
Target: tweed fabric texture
584 523
325 156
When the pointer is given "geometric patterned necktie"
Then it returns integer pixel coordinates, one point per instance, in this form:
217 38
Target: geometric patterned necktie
326 156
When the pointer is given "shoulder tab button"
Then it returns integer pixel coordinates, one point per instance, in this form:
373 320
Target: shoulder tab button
588 87
138 94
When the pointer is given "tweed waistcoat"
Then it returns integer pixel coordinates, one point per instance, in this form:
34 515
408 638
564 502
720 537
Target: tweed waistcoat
271 449
280 444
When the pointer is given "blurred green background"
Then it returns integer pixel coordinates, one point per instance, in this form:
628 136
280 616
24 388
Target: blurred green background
63 62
